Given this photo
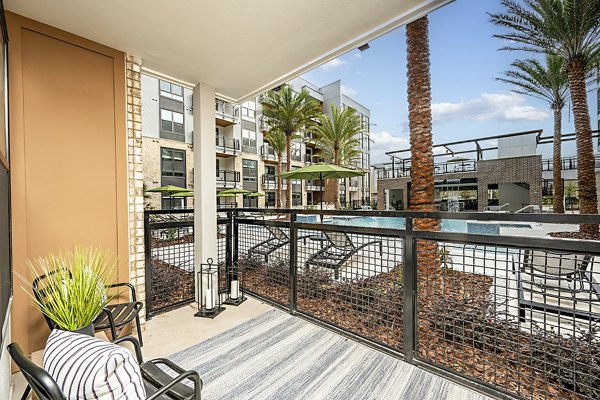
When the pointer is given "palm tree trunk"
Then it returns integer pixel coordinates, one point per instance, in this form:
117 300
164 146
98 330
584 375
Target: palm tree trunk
558 197
586 177
336 183
419 119
288 151
279 203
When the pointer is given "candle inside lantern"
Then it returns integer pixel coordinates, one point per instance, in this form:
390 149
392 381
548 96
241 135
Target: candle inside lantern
209 301
235 289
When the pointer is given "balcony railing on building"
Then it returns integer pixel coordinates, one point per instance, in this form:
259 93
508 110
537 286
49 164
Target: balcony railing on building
567 163
227 178
268 153
226 113
225 145
313 185
269 182
353 185
401 170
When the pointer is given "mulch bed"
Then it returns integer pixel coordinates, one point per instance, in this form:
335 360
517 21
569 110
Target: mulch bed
170 285
457 328
155 242
575 235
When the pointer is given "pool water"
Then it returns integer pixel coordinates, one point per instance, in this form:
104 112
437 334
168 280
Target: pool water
448 225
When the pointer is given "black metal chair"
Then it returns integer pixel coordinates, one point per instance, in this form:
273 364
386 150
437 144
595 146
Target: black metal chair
161 383
555 283
337 252
114 317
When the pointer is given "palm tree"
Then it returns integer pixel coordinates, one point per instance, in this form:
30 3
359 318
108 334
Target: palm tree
337 139
569 29
550 83
278 142
289 112
419 121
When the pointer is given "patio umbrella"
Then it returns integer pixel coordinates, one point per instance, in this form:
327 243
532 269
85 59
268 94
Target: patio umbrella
169 191
321 171
235 191
255 194
183 194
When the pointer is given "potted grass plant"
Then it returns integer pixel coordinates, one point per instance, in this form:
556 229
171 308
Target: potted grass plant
70 287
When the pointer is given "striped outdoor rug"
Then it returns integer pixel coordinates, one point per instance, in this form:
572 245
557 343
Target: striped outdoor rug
278 356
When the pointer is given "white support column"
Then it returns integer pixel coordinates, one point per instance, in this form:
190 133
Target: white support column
205 186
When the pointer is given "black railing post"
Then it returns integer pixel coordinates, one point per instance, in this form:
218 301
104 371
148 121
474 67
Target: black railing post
148 264
231 272
409 272
236 229
293 263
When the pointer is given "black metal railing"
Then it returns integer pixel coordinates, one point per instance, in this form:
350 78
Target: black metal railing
403 169
266 151
507 315
567 163
270 181
227 144
225 177
169 257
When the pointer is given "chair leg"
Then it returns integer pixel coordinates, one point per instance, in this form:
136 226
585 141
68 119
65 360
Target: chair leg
26 393
139 330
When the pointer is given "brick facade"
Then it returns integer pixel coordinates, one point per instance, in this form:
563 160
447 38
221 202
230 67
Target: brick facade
135 176
525 169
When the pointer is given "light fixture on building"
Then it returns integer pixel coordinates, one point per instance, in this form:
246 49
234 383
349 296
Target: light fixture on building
364 47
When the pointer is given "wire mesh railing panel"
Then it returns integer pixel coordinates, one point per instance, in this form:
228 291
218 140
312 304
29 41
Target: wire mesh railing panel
353 281
263 258
524 321
172 267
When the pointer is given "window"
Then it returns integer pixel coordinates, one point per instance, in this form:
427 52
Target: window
171 91
249 110
248 138
171 121
270 199
296 148
173 162
249 170
269 170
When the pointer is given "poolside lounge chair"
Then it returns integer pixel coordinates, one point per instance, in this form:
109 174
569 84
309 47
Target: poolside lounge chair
557 283
337 252
277 240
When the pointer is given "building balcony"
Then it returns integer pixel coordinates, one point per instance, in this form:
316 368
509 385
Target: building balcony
567 163
312 185
227 146
268 153
402 170
269 182
226 113
227 178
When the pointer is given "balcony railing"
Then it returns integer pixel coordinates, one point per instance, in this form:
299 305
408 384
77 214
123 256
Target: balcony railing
227 110
227 178
268 153
269 181
227 145
567 163
403 169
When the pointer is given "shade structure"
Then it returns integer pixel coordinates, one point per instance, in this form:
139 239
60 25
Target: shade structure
322 171
457 160
235 191
183 194
169 190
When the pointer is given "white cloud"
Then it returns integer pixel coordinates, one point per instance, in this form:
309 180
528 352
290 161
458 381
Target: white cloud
384 141
348 91
489 106
333 64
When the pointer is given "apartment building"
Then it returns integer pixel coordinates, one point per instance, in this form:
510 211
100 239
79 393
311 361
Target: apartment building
243 158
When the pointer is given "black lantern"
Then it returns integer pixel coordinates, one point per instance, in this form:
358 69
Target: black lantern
209 299
235 281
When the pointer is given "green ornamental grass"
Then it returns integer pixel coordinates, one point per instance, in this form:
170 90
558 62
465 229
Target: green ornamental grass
74 291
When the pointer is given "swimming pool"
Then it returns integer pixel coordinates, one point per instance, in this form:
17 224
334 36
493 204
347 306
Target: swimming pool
448 225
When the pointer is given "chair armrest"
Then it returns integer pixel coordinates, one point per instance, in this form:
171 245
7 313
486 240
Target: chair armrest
121 284
169 364
191 375
111 322
136 346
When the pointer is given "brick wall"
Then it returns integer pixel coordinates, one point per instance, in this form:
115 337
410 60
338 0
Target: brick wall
525 169
152 177
135 179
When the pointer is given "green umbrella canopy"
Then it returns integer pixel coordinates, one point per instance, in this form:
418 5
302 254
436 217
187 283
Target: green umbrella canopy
183 194
223 194
457 160
169 190
255 194
321 171
235 191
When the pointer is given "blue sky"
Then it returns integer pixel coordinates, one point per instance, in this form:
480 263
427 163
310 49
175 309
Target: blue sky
467 101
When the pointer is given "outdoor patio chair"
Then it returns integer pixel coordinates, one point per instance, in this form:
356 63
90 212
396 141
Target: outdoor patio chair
339 250
557 283
159 384
114 317
277 240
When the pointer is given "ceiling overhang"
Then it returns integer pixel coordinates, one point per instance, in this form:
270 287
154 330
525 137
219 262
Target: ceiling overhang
241 48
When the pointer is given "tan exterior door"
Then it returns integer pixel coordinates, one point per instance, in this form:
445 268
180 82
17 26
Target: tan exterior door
67 102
